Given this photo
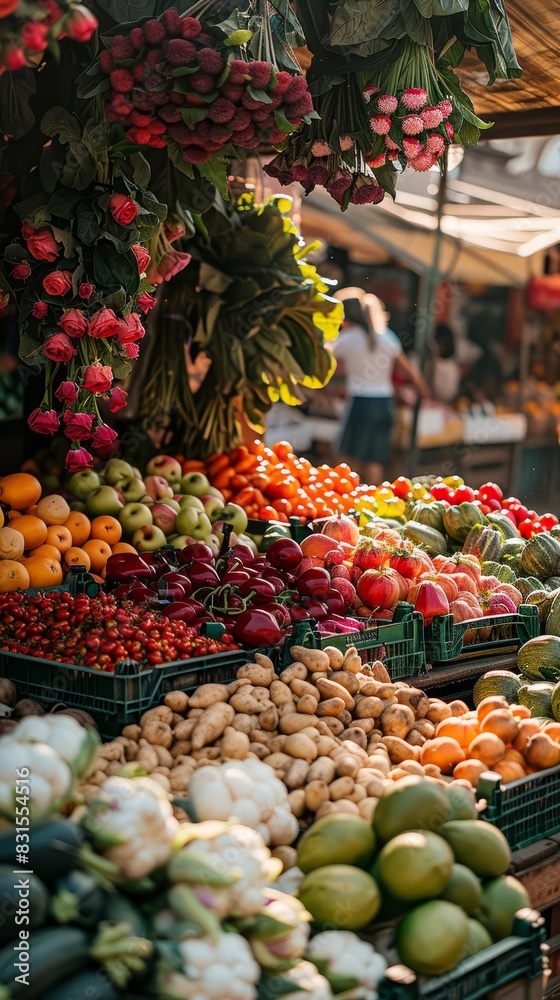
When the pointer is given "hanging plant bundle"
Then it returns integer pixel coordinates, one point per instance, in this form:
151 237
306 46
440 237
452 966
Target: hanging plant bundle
27 29
251 302
172 82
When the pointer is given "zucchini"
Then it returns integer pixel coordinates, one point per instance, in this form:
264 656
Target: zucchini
421 534
119 910
54 954
79 900
93 984
56 845
38 900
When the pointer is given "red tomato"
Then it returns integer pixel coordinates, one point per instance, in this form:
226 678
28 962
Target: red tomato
464 494
519 511
494 505
509 501
525 528
485 508
510 516
538 527
401 487
490 491
548 521
532 515
440 491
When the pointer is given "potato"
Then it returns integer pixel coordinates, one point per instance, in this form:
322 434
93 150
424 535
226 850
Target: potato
262 695
438 711
296 798
146 756
322 769
287 709
369 707
334 726
194 713
316 792
276 743
412 767
330 707
280 693
307 704
245 723
367 807
399 750
234 745
294 722
180 747
160 714
347 766
261 736
8 692
352 662
347 680
354 735
261 676
346 718
397 720
268 719
336 657
381 763
325 744
415 738
296 774
244 702
212 724
358 794
234 686
326 809
185 729
259 750
416 699
374 788
374 737
368 686
279 761
425 728
385 691
366 725
300 688
177 701
206 753
164 757
300 746
330 689
132 732
314 659
296 671
287 855
341 788
179 778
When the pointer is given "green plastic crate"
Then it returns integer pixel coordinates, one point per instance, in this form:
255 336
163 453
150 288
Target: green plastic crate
78 581
525 810
119 698
447 641
520 956
399 643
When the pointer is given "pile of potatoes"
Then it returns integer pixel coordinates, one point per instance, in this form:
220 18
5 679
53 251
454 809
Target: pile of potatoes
13 709
333 729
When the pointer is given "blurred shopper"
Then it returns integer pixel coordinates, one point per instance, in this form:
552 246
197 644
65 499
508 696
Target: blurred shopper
446 375
367 351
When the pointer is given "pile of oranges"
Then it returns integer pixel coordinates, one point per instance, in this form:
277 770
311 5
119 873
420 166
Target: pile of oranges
41 539
275 484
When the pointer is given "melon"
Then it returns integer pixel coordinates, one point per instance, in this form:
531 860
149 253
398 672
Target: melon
497 682
478 938
412 804
461 802
432 937
463 888
539 658
415 865
340 896
478 845
340 839
501 899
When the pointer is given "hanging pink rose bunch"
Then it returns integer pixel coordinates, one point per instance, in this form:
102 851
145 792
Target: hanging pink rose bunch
408 128
27 30
170 83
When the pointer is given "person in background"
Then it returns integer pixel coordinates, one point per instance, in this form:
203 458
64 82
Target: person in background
367 351
446 375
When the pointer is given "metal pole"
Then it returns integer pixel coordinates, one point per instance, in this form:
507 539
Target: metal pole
425 313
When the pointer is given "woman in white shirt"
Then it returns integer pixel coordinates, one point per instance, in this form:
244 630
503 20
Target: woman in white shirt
367 351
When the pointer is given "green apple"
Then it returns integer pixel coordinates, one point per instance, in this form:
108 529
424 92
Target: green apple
214 543
158 487
164 517
213 507
117 469
131 488
178 541
173 503
82 483
148 538
103 500
166 466
195 483
78 505
188 501
216 493
193 523
235 515
217 530
134 516
249 542
147 500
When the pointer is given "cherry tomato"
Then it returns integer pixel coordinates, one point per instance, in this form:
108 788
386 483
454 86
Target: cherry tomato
548 521
464 494
490 491
440 491
525 528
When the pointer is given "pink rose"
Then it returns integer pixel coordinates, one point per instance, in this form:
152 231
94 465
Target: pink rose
131 329
34 36
131 350
98 378
85 290
43 421
123 209
103 436
59 348
117 400
78 426
80 23
146 302
40 309
15 59
43 246
174 230
172 262
104 324
26 230
74 323
57 282
142 257
20 272
67 392
78 459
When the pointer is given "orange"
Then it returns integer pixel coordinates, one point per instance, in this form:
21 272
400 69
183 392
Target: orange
13 576
470 770
19 490
107 529
488 748
98 553
59 536
527 728
43 572
12 543
462 730
53 509
32 509
12 514
490 704
123 547
79 527
77 557
443 751
33 530
47 550
509 770
502 723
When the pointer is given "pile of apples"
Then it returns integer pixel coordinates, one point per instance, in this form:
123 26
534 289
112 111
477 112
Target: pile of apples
162 507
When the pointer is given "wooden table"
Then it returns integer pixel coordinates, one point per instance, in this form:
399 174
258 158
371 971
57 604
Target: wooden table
457 679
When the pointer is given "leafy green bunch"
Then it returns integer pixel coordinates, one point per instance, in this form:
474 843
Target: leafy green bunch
261 314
